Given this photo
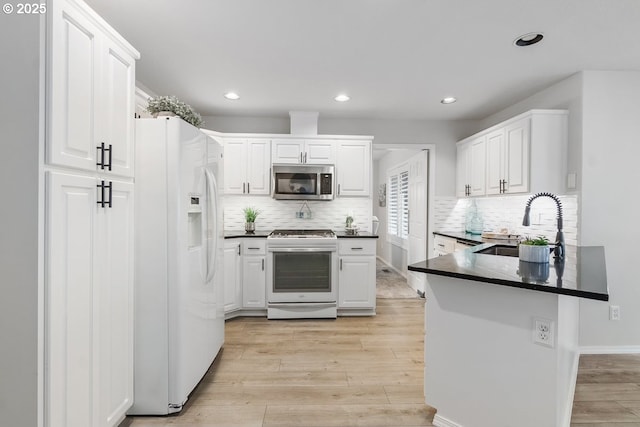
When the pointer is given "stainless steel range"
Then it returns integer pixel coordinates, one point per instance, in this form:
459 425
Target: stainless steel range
302 274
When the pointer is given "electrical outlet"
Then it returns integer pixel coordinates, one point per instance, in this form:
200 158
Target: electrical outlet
543 332
614 312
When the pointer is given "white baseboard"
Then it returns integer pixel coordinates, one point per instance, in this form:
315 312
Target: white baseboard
392 267
440 421
566 422
605 349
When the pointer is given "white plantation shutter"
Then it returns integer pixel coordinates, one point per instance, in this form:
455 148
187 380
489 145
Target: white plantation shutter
398 204
404 204
392 206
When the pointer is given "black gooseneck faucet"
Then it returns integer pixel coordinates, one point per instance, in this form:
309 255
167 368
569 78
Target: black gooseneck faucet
559 250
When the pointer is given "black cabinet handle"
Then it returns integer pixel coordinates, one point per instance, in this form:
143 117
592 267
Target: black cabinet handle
101 194
301 157
110 150
340 264
238 249
262 264
101 199
248 188
356 249
253 249
101 162
243 184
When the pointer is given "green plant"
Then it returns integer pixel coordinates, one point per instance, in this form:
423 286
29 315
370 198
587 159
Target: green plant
250 214
349 221
173 104
538 241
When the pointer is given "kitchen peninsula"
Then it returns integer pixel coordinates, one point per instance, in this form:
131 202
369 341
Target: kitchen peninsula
484 362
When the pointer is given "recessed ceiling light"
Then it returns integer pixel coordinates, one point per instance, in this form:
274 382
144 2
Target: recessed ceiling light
342 98
528 39
448 100
232 95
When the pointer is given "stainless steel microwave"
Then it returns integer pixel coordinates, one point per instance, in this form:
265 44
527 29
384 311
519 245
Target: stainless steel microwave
302 182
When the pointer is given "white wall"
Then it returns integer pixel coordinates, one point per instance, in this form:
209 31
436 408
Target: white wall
604 113
444 134
610 151
19 195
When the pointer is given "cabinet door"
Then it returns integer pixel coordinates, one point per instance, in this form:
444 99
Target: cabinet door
258 167
235 162
517 156
114 304
357 282
117 108
232 276
495 161
72 81
70 292
320 153
353 168
477 166
287 151
462 160
253 282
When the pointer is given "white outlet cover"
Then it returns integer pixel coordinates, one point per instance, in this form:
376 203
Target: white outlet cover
543 332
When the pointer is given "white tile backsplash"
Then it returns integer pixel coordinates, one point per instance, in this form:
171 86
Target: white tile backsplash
507 212
282 213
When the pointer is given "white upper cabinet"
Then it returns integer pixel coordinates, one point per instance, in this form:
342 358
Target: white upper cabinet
525 154
301 151
353 168
471 169
247 166
91 81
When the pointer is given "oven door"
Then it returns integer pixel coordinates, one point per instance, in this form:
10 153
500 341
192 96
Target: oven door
299 275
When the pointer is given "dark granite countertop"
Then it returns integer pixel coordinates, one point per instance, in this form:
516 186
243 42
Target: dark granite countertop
235 234
360 235
476 238
581 274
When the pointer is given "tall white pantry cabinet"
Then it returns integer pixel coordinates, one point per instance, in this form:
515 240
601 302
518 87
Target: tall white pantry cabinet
89 190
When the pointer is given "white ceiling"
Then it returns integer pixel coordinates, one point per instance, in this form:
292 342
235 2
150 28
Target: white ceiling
395 58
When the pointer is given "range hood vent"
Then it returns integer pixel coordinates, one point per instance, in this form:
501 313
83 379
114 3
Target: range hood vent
304 122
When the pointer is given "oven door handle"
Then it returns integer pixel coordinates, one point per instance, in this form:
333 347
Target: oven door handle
319 249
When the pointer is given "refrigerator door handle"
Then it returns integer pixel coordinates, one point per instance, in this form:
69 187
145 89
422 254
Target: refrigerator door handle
212 190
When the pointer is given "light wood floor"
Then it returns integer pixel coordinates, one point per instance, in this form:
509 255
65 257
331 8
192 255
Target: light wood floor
607 391
365 371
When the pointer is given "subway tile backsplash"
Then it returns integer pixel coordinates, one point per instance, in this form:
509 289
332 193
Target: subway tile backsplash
507 212
282 213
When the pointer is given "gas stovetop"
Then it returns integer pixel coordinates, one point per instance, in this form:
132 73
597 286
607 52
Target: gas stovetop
302 234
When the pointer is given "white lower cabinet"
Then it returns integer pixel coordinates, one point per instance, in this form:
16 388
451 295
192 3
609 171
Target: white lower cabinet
254 276
89 301
357 274
232 275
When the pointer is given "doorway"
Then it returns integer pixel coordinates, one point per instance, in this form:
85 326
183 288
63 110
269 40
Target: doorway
403 177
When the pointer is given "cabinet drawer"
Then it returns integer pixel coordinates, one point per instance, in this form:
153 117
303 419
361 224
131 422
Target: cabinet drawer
444 244
254 246
353 246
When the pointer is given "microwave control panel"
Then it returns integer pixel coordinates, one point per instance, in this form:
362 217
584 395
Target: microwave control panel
326 183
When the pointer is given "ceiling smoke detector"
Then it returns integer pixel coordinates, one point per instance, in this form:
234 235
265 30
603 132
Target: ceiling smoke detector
528 39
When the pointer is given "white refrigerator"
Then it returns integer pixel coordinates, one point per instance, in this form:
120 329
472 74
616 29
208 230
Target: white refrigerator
179 294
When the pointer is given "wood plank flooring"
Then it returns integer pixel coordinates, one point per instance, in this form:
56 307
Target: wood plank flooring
607 391
352 371
365 371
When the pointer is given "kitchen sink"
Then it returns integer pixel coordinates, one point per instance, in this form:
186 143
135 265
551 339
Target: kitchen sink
500 250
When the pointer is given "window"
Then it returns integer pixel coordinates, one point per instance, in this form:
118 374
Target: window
398 204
